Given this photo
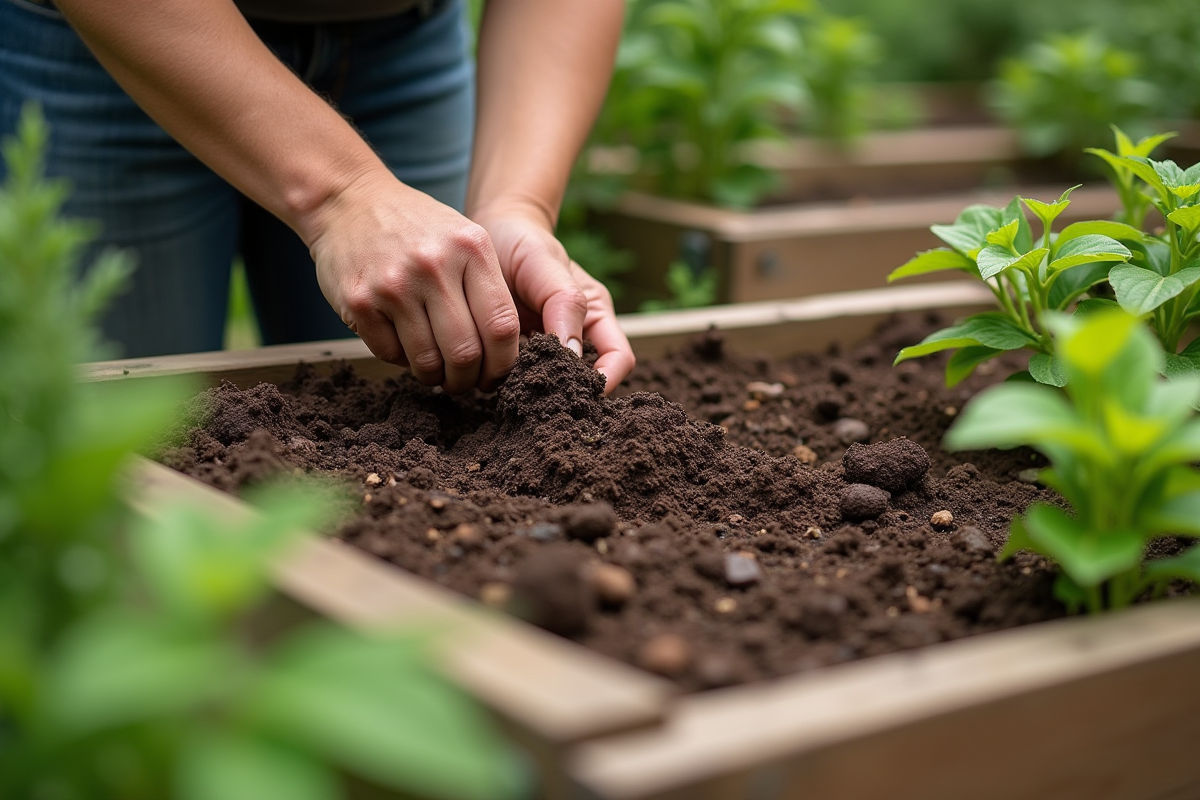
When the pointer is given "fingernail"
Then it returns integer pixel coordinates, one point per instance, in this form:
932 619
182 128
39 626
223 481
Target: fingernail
575 346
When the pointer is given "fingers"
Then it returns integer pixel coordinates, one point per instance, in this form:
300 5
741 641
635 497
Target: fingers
543 280
494 318
616 359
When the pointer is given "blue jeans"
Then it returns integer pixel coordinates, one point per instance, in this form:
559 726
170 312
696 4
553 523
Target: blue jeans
406 82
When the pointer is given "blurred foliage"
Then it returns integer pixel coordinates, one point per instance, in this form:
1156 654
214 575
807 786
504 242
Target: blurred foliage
837 64
689 287
1063 93
129 665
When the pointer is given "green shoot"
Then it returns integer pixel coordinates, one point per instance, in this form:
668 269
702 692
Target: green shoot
1121 442
689 288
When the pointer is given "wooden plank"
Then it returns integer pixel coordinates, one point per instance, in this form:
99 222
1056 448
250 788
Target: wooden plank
1079 708
557 691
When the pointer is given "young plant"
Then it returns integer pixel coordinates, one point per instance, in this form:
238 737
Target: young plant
1121 443
839 54
1163 280
696 81
689 287
1028 276
127 665
1065 92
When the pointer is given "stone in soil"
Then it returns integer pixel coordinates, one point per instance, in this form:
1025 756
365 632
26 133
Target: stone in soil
893 465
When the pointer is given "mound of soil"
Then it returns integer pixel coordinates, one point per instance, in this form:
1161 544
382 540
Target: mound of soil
723 519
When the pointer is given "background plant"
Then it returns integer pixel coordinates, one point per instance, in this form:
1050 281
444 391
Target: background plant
128 668
689 287
837 65
1121 442
1064 92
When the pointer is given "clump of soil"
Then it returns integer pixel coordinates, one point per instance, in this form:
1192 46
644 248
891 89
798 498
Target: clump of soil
709 523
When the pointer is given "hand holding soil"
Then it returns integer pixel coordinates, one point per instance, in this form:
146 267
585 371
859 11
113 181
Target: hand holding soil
418 282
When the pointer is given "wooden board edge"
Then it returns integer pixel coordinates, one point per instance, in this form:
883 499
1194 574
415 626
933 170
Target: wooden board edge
735 731
557 691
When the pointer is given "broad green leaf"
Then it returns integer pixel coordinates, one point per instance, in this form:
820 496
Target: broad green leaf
1095 305
1048 212
1185 192
1132 434
1047 369
1005 236
993 260
119 668
1192 352
1176 366
1113 230
1174 400
1086 249
1185 566
1182 447
1013 414
1140 291
1142 167
935 260
1187 218
1068 284
1018 540
1177 516
1089 557
969 232
1070 593
989 329
964 361
234 766
1013 212
1095 340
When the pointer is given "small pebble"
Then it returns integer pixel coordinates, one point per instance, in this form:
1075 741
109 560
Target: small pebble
917 603
589 522
760 390
495 594
433 534
544 531
849 430
741 570
805 453
1029 475
473 467
973 540
942 520
373 479
735 519
437 503
666 654
751 405
861 501
725 605
467 535
951 411
813 532
614 585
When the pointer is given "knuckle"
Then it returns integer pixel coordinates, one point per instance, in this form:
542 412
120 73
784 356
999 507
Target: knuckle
465 354
473 241
427 360
360 303
504 325
574 300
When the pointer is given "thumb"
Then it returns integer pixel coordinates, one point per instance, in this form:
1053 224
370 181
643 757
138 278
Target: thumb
564 312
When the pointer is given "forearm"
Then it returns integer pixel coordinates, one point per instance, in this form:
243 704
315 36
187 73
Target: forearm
200 71
543 69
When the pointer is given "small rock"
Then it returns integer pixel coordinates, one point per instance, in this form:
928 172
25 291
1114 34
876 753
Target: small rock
437 503
735 519
666 654
760 390
474 466
894 465
725 605
614 585
849 430
1029 475
821 615
544 531
373 479
751 405
548 590
433 534
805 453
942 520
467 536
973 540
813 532
862 501
741 570
589 522
495 594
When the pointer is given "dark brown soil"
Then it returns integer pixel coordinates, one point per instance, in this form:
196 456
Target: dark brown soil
709 523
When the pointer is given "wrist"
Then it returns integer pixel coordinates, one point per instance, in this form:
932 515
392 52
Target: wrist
314 203
533 209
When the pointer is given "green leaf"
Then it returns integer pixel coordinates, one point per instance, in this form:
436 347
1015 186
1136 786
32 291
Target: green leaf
1066 285
989 329
1013 414
234 766
1142 167
1113 230
1048 212
1088 557
993 260
1184 566
1047 369
1192 352
1005 236
1187 218
1070 593
1140 291
1095 305
1178 516
934 260
374 707
1023 241
1087 248
118 668
964 361
969 232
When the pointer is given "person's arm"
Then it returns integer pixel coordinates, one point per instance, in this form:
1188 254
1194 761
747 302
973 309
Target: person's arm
543 69
417 281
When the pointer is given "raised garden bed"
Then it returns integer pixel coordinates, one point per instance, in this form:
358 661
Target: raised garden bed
830 731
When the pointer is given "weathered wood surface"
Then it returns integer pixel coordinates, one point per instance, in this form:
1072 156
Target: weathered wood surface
1077 709
545 684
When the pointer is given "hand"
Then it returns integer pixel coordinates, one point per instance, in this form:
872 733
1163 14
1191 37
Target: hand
418 282
554 293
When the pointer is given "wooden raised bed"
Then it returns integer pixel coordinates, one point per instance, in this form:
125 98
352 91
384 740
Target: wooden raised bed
1096 708
804 249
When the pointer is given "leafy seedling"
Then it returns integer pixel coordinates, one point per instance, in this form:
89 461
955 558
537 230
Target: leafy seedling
1121 442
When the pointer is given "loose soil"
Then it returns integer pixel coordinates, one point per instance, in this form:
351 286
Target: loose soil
723 519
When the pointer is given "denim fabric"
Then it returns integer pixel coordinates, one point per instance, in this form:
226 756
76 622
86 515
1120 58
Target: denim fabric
406 83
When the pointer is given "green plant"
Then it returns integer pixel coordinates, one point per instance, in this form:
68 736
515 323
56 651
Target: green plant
1028 276
689 287
696 81
129 665
1063 94
836 63
1121 442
